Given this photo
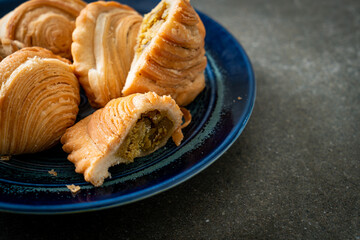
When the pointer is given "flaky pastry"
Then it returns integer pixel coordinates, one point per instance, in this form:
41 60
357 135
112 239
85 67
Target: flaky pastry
39 98
124 129
170 55
44 23
103 49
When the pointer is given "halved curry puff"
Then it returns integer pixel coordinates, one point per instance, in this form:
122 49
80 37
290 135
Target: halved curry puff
169 55
124 129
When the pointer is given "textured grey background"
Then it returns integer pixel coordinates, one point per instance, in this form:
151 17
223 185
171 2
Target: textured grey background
294 173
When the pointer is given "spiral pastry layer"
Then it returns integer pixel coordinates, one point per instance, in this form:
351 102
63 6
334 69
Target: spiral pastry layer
103 49
44 23
39 98
170 55
124 129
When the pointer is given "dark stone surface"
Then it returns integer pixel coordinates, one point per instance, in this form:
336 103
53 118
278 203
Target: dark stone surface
294 173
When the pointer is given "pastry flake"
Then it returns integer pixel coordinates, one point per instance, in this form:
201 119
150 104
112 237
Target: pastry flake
5 158
8 47
126 128
170 55
44 23
103 49
73 188
53 172
39 98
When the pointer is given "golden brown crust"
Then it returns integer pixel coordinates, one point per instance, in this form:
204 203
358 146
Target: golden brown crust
103 49
10 63
44 23
170 57
39 99
92 143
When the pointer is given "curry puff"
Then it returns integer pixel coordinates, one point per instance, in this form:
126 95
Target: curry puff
126 128
103 49
39 98
170 55
44 23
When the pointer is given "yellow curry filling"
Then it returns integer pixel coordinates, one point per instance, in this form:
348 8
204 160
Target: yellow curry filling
151 25
147 134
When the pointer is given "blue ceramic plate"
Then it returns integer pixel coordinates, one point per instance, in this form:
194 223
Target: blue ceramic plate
220 113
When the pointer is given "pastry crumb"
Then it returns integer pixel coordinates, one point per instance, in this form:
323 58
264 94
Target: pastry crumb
73 188
52 172
239 98
5 158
